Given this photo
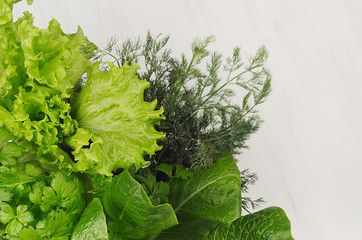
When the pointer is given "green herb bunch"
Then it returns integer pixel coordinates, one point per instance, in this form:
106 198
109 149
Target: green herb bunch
202 119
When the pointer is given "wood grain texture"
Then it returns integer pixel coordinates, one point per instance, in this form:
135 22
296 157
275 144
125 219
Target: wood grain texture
308 152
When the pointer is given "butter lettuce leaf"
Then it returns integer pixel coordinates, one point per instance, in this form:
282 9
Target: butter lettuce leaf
130 211
116 125
268 224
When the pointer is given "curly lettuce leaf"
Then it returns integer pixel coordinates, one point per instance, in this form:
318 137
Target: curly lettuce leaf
52 57
92 225
38 71
5 13
116 126
131 212
268 224
12 71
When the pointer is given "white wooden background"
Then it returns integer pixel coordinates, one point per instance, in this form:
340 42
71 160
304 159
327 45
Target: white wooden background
308 151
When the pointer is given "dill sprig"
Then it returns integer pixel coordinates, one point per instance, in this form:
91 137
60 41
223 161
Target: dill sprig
248 179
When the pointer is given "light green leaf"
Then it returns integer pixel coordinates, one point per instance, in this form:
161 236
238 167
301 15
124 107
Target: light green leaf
36 195
59 225
120 124
13 228
38 70
6 213
268 224
92 225
5 13
132 213
29 234
8 150
13 179
52 57
23 215
5 196
32 170
64 192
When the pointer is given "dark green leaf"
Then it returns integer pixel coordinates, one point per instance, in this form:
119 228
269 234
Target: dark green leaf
268 224
132 213
92 225
211 195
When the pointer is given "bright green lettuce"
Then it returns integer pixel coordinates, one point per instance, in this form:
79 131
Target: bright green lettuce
130 211
52 58
5 12
12 71
268 224
116 126
38 71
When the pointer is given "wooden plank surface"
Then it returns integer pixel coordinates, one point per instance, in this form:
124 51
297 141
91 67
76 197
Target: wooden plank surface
308 152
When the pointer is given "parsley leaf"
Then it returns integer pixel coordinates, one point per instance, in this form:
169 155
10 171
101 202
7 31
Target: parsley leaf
63 192
8 150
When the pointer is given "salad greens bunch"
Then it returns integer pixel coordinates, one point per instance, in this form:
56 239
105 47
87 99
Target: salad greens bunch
96 149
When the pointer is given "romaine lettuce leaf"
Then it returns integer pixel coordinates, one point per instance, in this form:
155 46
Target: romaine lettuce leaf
210 196
116 126
92 225
130 211
268 224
